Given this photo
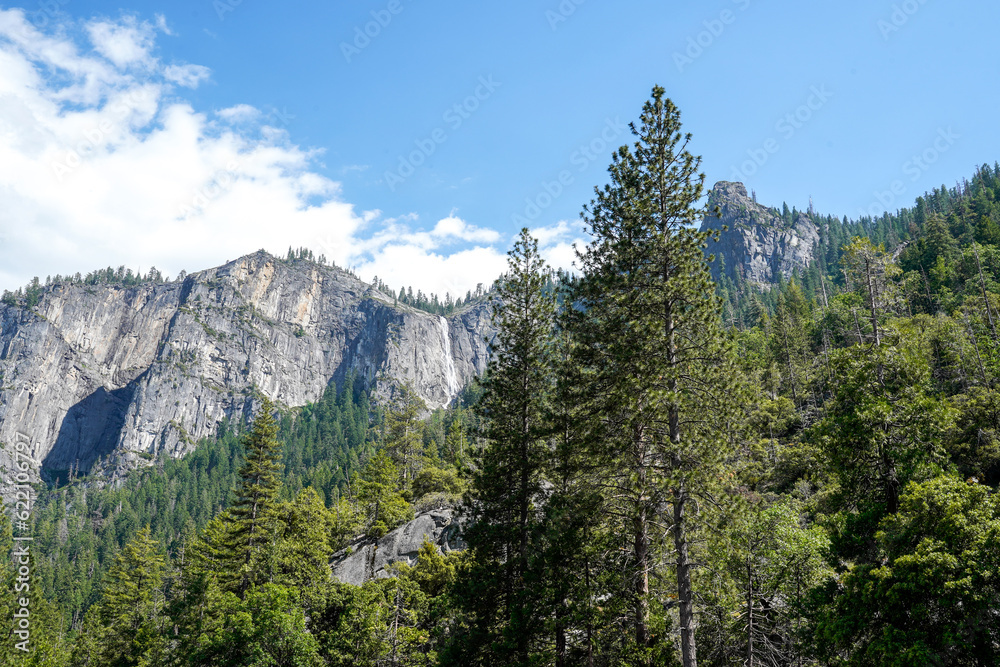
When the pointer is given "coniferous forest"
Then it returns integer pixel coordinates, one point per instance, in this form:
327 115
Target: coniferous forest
655 470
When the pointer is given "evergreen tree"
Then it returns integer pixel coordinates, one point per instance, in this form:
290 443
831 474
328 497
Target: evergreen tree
932 596
252 513
507 483
869 271
574 537
125 627
649 337
402 435
303 543
382 505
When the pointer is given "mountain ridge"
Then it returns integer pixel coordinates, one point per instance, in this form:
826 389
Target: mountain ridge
124 373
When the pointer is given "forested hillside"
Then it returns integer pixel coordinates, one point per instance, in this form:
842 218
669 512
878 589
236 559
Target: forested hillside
969 208
655 470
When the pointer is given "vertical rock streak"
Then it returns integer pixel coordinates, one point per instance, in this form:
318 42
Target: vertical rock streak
451 375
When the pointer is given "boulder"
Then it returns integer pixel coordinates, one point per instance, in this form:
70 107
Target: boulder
365 559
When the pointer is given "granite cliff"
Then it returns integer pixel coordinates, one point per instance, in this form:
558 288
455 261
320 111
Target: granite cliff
122 374
759 245
368 559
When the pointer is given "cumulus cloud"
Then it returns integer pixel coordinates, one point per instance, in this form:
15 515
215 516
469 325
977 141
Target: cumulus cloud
239 113
102 162
188 76
124 43
558 243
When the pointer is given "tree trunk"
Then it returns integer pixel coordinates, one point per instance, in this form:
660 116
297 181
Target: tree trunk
986 299
561 634
640 528
522 547
689 656
872 297
788 358
749 614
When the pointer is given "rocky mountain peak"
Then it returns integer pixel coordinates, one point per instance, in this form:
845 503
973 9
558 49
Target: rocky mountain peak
756 243
728 192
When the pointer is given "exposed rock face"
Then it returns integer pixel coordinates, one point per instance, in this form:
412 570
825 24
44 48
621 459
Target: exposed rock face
362 561
759 244
125 373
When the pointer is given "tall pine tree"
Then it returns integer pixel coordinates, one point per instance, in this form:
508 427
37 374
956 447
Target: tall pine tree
508 482
252 513
657 367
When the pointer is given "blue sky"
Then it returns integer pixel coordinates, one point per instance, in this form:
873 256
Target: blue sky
416 151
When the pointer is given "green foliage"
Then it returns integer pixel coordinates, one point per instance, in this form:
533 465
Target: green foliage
80 528
655 362
974 444
266 627
932 597
509 469
770 564
303 538
402 437
882 426
383 622
126 627
437 480
252 514
382 505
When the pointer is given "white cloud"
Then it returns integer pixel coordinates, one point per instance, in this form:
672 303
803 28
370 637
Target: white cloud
188 76
400 265
124 42
161 25
453 227
558 243
240 113
102 164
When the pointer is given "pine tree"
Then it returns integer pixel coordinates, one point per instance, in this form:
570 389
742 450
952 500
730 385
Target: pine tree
382 506
658 369
402 437
125 627
573 538
870 271
303 545
252 512
507 483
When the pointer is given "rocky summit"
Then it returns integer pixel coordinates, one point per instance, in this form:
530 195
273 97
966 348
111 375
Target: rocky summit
756 244
119 375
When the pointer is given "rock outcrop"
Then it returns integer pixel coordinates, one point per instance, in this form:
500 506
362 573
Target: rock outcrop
123 374
759 245
367 559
